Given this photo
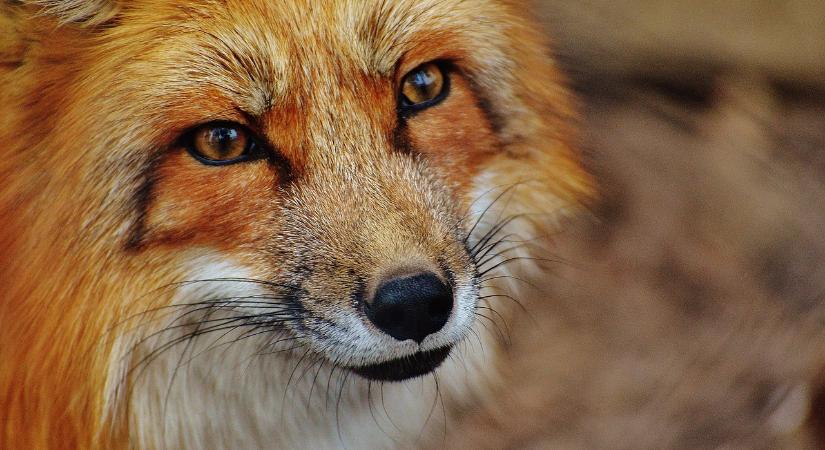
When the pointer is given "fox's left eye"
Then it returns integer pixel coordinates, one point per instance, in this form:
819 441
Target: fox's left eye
222 143
424 86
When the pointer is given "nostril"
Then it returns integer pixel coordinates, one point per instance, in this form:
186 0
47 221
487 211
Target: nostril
411 307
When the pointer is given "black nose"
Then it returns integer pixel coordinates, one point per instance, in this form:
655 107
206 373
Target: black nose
411 307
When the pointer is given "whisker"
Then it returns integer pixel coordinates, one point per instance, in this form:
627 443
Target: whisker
343 382
498 333
314 380
483 252
430 413
509 297
516 258
384 407
443 408
206 304
292 374
273 344
154 354
175 372
507 328
493 231
270 316
497 277
484 212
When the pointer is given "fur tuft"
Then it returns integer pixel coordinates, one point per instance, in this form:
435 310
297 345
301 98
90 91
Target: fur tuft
86 12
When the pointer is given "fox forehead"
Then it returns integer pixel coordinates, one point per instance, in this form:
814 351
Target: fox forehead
265 53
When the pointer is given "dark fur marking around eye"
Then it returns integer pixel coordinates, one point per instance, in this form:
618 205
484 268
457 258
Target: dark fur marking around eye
486 106
401 138
400 135
286 169
141 201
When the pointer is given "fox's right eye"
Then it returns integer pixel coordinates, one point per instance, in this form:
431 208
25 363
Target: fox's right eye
423 87
222 143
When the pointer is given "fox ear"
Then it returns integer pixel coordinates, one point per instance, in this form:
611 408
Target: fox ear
84 12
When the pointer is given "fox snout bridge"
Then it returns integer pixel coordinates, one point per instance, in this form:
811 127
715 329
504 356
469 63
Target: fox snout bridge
411 306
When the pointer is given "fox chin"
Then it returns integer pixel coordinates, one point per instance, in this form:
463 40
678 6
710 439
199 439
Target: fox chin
269 224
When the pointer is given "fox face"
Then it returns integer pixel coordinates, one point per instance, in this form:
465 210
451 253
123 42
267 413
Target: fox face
351 232
332 181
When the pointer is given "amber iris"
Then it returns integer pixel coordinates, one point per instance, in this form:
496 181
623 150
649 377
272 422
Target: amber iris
423 85
221 143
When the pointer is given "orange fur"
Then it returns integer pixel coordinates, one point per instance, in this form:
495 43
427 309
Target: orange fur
99 200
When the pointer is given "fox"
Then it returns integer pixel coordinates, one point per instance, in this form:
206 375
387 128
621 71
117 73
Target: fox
270 224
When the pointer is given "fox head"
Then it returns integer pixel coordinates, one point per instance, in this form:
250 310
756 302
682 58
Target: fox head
331 180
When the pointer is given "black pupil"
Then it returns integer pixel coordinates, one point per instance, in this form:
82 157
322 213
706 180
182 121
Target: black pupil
223 139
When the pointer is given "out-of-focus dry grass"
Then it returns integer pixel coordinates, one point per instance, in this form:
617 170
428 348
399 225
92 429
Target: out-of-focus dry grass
691 313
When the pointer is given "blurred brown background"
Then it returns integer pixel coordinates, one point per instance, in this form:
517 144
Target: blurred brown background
690 313
782 39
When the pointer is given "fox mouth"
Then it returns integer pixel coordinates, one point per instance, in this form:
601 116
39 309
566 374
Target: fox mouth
400 369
